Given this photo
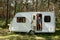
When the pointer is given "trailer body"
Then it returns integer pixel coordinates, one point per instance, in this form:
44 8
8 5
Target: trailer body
22 22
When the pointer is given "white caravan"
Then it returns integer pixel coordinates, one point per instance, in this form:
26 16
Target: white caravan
27 22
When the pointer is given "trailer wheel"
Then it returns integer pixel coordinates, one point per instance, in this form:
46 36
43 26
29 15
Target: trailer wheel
32 32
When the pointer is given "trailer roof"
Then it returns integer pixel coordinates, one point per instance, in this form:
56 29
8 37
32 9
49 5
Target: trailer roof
30 13
37 12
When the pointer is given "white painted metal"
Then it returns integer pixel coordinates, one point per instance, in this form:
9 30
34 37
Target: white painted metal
26 27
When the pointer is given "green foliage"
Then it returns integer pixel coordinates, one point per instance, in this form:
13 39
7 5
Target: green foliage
58 20
17 8
57 25
2 22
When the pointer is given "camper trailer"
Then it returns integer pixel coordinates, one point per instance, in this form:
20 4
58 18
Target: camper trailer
33 22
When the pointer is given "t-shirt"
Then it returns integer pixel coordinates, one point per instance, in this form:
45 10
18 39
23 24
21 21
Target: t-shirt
38 21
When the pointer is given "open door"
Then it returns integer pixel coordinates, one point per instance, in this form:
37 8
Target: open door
39 22
34 21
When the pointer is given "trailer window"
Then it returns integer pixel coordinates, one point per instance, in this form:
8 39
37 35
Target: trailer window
21 19
47 19
34 17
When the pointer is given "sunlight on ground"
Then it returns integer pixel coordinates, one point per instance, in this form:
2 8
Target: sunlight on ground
56 37
57 29
39 38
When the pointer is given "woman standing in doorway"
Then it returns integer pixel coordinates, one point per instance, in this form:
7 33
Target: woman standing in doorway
39 23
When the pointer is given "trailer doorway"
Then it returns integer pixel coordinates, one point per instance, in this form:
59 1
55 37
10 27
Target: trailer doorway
39 22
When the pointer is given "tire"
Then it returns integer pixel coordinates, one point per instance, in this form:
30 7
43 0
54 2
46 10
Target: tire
31 32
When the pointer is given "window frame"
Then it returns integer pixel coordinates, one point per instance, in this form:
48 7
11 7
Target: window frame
33 17
21 19
46 18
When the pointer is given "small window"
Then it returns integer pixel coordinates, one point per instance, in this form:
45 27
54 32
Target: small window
47 19
21 19
34 17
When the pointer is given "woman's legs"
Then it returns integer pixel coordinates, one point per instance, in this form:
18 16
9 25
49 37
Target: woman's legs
40 26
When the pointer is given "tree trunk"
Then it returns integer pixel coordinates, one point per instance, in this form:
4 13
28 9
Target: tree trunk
36 5
7 15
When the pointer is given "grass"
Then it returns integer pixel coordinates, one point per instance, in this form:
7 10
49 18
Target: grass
6 35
